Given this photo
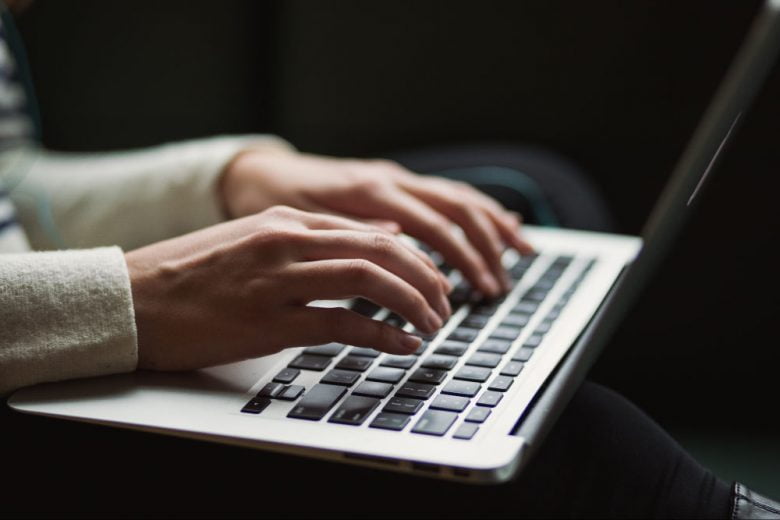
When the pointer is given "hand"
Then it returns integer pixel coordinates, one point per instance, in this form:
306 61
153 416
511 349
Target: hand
240 289
424 207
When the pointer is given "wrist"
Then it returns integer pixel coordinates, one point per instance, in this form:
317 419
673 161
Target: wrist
243 187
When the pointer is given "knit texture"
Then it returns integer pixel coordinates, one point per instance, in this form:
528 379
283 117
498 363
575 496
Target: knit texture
69 314
64 315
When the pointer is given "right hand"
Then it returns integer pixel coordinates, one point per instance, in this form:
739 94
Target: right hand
240 289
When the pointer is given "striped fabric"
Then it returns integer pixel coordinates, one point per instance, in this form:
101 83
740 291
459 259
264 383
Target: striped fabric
16 130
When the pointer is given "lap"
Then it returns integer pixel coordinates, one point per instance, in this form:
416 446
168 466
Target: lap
603 458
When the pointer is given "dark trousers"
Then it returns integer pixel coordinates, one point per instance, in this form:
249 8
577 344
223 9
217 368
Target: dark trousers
604 457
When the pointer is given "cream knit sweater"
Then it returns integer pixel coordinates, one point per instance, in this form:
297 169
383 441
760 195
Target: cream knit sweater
69 313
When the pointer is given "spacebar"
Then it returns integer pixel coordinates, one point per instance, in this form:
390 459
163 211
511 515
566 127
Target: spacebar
316 403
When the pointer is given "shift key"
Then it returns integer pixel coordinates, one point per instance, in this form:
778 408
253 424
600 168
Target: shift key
316 403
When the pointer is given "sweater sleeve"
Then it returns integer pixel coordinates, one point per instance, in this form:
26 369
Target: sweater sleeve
64 315
130 199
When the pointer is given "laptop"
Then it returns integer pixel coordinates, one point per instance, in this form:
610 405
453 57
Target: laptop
478 398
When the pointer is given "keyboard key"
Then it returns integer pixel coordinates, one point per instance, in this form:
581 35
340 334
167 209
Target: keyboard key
523 354
287 375
256 405
475 321
478 414
357 363
512 368
405 405
329 349
270 390
435 422
463 334
500 383
291 393
310 362
533 340
495 346
463 388
525 307
485 308
428 375
365 307
490 399
386 375
422 348
424 336
460 294
452 348
317 402
439 362
452 403
505 332
543 328
484 359
395 320
535 295
465 431
365 352
341 377
478 374
390 421
516 319
373 389
398 361
354 410
546 283
416 390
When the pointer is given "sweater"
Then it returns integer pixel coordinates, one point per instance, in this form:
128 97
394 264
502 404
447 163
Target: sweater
66 310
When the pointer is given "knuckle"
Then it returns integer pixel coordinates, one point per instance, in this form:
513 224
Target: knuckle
276 243
367 186
383 244
359 270
281 211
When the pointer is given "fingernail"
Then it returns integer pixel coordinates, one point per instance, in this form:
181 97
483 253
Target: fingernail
410 343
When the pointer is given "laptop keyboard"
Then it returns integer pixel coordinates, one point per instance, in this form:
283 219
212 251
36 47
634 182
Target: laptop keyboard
463 371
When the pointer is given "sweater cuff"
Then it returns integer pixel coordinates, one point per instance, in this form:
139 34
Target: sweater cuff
206 159
65 315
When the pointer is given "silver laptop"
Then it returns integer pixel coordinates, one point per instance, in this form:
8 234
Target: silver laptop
478 397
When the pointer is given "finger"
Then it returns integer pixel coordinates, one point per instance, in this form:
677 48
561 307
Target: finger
479 229
327 221
508 223
339 279
387 225
423 222
387 252
315 326
510 232
445 283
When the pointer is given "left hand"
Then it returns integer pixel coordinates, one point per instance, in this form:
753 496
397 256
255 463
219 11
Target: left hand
421 206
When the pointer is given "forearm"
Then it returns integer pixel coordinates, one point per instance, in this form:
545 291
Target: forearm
64 315
126 198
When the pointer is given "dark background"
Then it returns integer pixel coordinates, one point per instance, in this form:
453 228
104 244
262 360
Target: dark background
615 86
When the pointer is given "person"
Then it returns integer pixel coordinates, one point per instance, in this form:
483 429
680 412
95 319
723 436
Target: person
199 253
